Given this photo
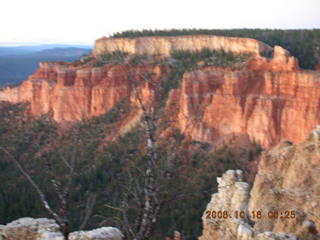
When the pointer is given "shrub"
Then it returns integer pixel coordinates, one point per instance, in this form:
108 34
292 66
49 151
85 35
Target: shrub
111 57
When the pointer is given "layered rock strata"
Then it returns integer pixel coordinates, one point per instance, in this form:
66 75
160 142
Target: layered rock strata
72 93
166 45
267 100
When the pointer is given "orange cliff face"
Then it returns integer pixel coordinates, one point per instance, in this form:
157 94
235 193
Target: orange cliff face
268 100
71 93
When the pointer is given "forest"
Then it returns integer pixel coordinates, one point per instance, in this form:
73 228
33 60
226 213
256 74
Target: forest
104 171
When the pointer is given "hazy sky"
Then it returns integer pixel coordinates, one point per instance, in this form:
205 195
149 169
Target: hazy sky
84 21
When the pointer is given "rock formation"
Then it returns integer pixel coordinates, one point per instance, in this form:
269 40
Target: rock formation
166 45
232 196
72 93
31 229
285 192
268 99
104 233
268 105
47 229
288 180
227 217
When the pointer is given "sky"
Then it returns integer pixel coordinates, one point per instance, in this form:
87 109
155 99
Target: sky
82 21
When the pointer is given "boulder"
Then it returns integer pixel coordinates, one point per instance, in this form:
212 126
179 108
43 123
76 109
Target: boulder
31 229
47 229
104 233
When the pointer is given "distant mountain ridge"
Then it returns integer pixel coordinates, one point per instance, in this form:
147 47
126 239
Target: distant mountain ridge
22 50
71 51
17 63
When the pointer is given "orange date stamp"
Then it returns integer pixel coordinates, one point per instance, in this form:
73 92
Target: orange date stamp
272 214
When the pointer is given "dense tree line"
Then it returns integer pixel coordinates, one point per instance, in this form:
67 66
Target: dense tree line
304 44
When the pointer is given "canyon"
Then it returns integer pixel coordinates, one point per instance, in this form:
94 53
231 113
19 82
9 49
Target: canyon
267 99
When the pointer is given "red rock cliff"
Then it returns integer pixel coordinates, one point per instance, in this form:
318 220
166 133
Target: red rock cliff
268 101
72 93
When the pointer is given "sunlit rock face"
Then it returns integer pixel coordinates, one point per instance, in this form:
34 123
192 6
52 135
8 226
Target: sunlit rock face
166 45
72 93
269 100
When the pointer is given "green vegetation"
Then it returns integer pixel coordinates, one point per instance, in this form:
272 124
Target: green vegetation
191 60
187 61
304 44
103 168
180 62
139 59
117 57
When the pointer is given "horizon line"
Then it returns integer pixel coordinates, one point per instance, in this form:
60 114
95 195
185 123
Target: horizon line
37 43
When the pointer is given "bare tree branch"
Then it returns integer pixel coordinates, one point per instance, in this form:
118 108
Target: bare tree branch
89 208
34 185
73 161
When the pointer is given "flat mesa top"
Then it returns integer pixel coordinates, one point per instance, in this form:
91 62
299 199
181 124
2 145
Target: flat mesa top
164 45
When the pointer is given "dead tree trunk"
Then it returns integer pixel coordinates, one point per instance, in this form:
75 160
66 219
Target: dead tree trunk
151 202
61 216
147 194
63 224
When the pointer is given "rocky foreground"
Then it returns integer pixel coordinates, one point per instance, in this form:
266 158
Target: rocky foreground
282 204
47 229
